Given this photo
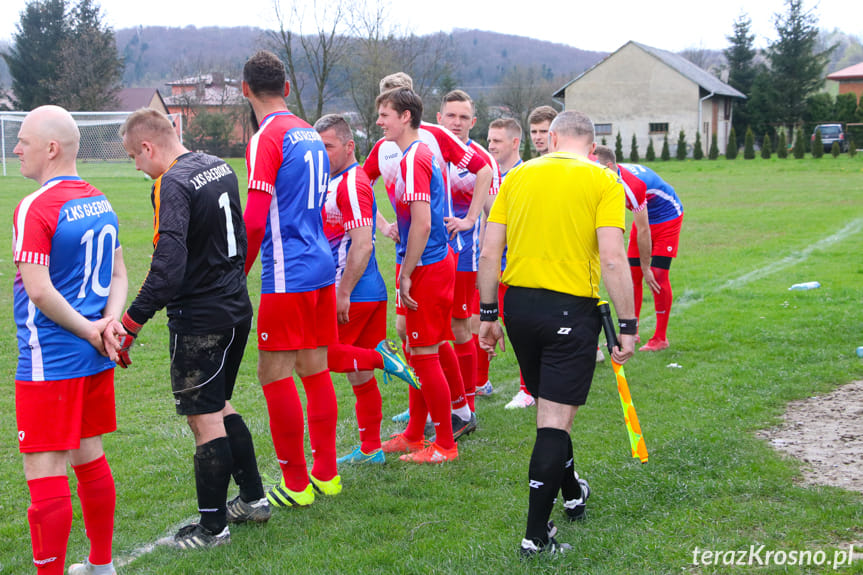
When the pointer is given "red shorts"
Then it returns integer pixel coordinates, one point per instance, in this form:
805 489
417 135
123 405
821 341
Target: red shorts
56 415
432 288
464 295
302 320
367 326
664 236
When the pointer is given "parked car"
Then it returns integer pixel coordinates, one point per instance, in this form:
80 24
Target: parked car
831 133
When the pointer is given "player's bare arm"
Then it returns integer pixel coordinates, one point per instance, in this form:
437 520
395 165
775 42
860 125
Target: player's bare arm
618 282
416 243
358 259
490 332
43 294
645 247
484 178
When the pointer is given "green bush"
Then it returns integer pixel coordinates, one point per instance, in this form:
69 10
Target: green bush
665 155
697 149
834 150
782 145
817 145
651 153
714 148
681 146
749 145
731 148
766 147
799 149
633 151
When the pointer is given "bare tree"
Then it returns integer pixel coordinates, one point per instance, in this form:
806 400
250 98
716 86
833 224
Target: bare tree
379 48
311 58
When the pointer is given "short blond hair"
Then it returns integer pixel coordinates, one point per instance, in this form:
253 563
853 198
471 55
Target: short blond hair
397 80
147 124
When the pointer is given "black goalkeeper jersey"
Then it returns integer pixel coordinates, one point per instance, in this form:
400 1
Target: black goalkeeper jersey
199 252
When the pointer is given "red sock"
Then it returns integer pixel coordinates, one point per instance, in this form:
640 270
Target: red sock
637 281
287 426
435 392
369 415
98 500
323 413
449 364
418 413
50 516
348 359
466 353
662 303
521 386
482 362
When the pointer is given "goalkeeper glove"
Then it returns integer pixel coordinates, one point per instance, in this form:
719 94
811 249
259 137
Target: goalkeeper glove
127 339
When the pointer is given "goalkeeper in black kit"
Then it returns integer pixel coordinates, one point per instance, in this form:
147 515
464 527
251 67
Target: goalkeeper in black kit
197 274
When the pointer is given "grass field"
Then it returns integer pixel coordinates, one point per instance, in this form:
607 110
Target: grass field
746 346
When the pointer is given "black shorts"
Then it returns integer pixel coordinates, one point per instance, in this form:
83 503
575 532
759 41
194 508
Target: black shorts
204 368
554 337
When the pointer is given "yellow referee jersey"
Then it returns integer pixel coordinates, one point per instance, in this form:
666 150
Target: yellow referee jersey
551 207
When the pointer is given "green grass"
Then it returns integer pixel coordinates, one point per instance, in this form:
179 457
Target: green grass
746 345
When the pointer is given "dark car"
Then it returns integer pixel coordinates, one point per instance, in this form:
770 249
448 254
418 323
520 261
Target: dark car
831 133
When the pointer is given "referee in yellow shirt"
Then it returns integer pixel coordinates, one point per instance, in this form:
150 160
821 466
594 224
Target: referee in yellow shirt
561 216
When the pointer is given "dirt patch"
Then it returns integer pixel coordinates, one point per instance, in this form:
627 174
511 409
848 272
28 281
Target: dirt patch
826 433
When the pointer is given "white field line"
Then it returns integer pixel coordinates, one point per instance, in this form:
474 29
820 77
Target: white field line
123 560
851 228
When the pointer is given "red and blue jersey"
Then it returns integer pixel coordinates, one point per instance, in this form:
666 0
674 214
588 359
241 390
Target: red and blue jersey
383 161
663 204
287 159
461 183
70 227
351 204
420 179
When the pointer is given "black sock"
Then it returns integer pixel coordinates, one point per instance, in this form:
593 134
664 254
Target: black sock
569 486
245 468
546 471
212 476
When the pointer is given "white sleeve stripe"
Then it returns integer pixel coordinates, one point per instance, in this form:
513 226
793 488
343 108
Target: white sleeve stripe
24 209
358 223
352 194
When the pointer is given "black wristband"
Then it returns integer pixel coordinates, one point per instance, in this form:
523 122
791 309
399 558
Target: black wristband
488 311
628 326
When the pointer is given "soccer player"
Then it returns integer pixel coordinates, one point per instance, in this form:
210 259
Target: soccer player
636 202
70 284
197 274
425 277
458 115
383 161
665 213
288 178
551 303
539 121
361 295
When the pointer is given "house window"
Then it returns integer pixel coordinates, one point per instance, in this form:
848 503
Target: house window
602 129
658 128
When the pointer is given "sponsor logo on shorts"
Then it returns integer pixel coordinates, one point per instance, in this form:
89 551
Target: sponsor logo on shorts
564 331
20 436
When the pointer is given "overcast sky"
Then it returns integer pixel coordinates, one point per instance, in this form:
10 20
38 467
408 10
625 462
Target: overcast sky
669 24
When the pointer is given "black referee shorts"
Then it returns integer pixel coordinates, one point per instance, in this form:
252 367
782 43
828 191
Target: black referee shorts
554 337
204 368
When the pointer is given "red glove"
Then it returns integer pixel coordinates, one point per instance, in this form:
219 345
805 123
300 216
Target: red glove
127 339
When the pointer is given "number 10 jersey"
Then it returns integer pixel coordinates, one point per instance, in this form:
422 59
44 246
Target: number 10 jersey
70 227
